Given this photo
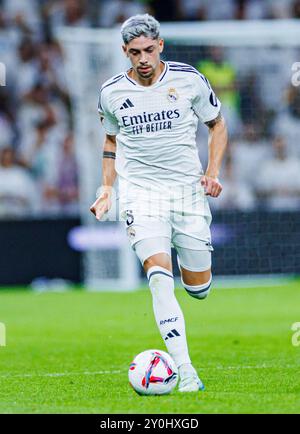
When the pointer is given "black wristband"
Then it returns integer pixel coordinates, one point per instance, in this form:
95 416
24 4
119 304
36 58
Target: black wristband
107 154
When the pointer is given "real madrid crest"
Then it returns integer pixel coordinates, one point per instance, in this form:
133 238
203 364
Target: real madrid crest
172 94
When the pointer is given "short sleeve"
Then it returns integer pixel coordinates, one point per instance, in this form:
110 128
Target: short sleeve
205 102
108 120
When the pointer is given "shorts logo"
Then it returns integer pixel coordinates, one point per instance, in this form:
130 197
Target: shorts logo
172 94
131 232
129 217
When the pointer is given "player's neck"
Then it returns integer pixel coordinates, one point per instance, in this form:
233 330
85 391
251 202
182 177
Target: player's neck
148 81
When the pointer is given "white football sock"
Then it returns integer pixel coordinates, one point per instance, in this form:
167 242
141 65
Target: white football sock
168 314
186 369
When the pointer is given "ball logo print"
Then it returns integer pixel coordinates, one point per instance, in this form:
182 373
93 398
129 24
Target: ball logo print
149 378
153 372
296 336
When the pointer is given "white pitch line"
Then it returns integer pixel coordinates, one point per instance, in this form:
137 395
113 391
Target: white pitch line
59 374
250 367
115 372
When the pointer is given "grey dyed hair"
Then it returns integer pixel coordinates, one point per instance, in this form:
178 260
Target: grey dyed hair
140 25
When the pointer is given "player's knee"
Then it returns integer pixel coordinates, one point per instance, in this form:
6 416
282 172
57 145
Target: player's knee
198 291
160 259
161 283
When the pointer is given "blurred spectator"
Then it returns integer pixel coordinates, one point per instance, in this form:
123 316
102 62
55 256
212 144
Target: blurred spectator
3 20
191 10
67 13
6 119
39 150
7 134
236 194
67 178
220 9
247 153
37 106
278 179
24 14
26 66
50 71
279 9
251 10
253 112
222 77
114 12
287 123
296 9
18 195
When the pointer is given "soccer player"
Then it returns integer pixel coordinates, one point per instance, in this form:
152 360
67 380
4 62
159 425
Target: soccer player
150 115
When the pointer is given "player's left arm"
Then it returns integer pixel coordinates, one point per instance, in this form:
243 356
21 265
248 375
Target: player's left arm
217 143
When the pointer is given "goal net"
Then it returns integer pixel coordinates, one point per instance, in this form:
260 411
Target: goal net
250 65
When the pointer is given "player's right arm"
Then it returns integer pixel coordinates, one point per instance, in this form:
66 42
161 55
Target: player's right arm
111 127
103 202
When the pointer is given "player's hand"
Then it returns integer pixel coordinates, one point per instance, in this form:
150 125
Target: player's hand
212 185
101 205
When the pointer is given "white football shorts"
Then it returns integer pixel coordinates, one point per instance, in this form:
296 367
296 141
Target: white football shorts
179 218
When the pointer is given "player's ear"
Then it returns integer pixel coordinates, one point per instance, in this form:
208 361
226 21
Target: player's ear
125 49
161 44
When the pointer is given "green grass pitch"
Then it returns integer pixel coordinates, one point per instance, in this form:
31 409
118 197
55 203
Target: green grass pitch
69 352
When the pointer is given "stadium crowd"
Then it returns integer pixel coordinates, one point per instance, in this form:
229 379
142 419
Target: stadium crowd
38 168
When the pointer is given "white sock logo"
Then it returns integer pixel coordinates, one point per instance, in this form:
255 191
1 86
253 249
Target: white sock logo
164 321
172 334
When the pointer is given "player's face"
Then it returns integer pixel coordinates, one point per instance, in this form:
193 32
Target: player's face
144 54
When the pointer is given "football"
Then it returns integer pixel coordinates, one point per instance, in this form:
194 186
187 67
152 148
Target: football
153 372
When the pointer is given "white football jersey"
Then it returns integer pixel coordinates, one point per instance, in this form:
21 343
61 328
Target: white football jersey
156 125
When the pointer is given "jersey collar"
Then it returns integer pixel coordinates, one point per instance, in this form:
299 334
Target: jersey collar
158 81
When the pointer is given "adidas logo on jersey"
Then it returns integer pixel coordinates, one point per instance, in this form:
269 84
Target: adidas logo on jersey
126 104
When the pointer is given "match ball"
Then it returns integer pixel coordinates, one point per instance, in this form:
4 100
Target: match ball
153 372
